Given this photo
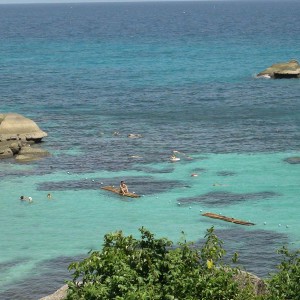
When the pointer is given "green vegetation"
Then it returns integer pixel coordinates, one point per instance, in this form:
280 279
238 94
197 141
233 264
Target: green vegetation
150 268
286 283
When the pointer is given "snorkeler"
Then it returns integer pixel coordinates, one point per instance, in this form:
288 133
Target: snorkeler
23 198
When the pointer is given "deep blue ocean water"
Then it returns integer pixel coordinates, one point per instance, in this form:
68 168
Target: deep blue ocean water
180 74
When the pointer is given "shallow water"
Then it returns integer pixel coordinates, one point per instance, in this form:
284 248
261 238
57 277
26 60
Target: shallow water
261 188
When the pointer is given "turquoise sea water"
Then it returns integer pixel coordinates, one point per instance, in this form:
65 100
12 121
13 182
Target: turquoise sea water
183 76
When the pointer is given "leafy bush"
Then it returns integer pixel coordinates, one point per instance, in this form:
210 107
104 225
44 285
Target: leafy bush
150 268
286 283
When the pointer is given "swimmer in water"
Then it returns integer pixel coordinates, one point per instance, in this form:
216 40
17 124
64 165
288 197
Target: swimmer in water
23 198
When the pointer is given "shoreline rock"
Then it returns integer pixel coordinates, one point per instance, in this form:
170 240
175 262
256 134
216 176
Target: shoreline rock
28 153
17 134
60 294
243 278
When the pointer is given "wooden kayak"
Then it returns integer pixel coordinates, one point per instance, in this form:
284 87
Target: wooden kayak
117 191
227 219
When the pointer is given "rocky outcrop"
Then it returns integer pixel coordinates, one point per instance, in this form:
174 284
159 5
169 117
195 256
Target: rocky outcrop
28 153
16 127
17 134
289 69
244 279
58 295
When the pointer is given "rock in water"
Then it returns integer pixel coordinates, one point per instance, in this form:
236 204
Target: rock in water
27 154
16 127
289 69
16 132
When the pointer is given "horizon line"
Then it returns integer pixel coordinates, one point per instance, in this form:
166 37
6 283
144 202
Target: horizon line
7 2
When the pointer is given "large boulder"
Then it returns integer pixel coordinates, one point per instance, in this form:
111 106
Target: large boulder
16 132
16 127
289 69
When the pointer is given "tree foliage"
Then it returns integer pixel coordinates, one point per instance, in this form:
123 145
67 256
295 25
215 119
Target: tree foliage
286 283
150 268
